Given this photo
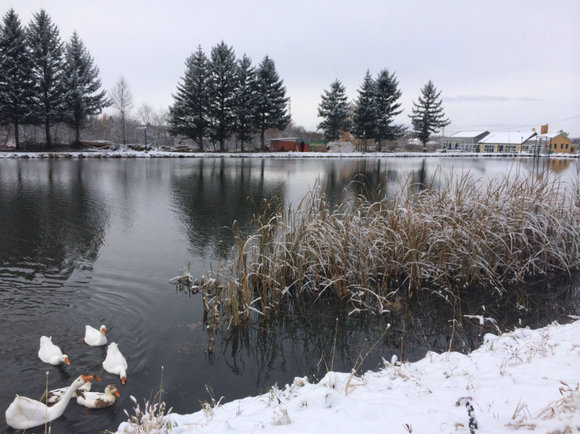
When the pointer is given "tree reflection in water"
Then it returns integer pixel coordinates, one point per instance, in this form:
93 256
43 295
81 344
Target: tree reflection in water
217 193
52 222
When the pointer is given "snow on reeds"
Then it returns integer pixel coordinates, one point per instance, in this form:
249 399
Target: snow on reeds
464 236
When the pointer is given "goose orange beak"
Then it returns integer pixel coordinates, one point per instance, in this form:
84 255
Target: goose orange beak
87 378
66 360
116 393
103 331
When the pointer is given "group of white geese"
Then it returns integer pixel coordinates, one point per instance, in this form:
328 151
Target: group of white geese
24 413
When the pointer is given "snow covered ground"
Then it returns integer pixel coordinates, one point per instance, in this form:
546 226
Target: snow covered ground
128 153
522 381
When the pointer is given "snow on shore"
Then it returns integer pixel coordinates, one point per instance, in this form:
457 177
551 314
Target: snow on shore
524 381
128 153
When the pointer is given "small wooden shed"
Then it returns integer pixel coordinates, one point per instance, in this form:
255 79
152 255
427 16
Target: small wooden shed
289 144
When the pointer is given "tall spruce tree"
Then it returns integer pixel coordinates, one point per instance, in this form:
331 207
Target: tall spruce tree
189 114
16 78
46 50
84 96
271 101
365 112
387 95
222 88
245 100
428 116
335 111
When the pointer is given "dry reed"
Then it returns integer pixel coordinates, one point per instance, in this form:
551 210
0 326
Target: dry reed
466 235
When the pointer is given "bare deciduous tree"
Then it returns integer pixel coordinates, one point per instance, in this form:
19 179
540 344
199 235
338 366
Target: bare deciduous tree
123 103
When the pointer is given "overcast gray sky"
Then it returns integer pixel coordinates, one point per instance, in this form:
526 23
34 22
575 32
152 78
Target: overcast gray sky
501 65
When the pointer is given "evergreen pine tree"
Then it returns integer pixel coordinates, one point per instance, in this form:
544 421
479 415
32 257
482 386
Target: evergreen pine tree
387 95
84 97
222 88
245 100
335 111
365 112
428 116
271 100
47 59
16 78
189 114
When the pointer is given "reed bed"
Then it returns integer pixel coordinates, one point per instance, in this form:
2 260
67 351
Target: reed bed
464 236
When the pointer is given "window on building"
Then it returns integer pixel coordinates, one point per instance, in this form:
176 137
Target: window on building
555 146
566 145
561 145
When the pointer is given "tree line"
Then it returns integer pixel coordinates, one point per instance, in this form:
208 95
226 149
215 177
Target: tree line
220 97
43 80
371 116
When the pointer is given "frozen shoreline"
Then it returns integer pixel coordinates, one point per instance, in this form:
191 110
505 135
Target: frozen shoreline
277 155
522 381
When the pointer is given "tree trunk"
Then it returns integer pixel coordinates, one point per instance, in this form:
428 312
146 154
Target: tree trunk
200 142
262 139
47 133
77 136
16 136
123 128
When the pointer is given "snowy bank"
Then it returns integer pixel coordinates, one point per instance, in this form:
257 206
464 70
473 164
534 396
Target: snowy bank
128 153
523 381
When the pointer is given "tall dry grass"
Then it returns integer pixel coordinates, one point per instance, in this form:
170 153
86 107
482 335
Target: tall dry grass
466 235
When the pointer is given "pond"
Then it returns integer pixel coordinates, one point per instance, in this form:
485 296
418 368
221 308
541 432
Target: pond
90 241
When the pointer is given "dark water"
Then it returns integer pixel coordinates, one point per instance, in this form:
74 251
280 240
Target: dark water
95 242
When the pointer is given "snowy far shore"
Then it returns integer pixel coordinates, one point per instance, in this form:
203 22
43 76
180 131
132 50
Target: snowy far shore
524 381
128 153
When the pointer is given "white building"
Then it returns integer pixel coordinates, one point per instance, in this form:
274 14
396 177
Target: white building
511 141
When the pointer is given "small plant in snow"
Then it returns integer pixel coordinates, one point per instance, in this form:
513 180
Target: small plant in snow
274 395
569 403
150 419
281 418
209 407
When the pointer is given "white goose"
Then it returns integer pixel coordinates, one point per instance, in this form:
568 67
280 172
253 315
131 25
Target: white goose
98 399
51 353
115 363
26 413
55 395
94 337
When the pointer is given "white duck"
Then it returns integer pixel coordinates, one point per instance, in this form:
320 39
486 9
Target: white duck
98 399
51 353
115 363
26 413
94 337
55 395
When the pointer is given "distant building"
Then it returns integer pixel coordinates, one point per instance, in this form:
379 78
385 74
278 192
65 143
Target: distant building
464 141
340 147
414 141
513 141
558 143
288 144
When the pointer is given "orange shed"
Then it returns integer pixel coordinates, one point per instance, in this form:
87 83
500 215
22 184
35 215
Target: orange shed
289 144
